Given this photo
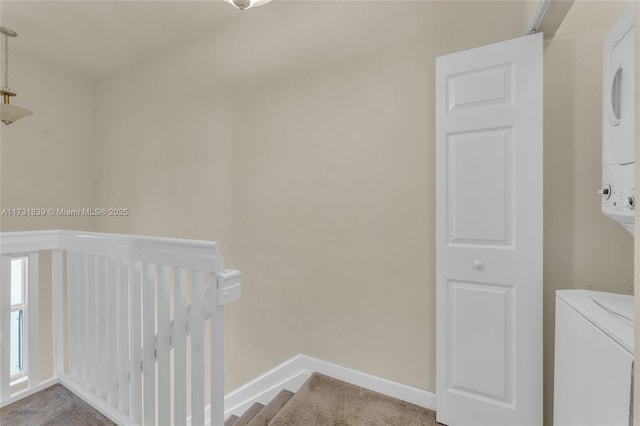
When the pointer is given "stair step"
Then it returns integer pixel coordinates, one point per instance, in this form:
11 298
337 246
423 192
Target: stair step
249 414
269 412
231 421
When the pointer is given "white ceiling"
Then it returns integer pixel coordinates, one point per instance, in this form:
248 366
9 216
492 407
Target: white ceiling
95 38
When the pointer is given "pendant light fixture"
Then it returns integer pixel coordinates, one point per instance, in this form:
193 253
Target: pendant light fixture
9 113
246 4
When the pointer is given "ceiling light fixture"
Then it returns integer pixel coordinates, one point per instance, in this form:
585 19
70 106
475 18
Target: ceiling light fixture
9 113
246 4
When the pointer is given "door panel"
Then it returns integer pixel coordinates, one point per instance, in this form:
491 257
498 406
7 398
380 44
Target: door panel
480 209
481 366
480 87
489 234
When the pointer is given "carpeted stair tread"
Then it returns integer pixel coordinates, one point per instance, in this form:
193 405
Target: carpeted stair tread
249 414
231 421
52 406
272 409
324 401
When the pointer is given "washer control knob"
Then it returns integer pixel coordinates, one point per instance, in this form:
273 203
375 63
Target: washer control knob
632 202
605 192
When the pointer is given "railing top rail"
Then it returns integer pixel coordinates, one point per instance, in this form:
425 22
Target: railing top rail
140 240
198 254
26 241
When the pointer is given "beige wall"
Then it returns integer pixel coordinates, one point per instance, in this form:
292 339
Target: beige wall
334 218
46 161
306 148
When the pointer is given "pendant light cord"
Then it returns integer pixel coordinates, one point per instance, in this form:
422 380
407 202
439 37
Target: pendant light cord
6 64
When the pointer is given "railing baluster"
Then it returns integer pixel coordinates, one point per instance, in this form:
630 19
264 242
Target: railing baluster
217 356
111 338
33 317
91 344
149 336
135 339
180 348
197 348
101 320
81 357
123 338
5 327
163 348
57 311
72 321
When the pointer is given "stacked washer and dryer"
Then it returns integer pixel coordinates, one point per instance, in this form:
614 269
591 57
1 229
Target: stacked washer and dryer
594 331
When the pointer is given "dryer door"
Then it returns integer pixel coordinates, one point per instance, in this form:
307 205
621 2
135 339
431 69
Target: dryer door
617 97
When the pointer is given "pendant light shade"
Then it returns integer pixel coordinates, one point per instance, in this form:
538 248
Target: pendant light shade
9 113
246 4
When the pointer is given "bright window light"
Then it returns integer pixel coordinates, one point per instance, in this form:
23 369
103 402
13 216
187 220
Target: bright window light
18 367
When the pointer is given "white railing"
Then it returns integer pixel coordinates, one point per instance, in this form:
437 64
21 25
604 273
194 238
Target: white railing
124 336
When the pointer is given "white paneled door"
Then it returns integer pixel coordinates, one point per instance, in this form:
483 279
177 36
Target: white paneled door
489 234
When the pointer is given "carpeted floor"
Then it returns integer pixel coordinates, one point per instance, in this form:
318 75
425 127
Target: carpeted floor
321 401
54 406
324 401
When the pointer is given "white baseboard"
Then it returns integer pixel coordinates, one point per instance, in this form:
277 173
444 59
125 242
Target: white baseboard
289 375
292 374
